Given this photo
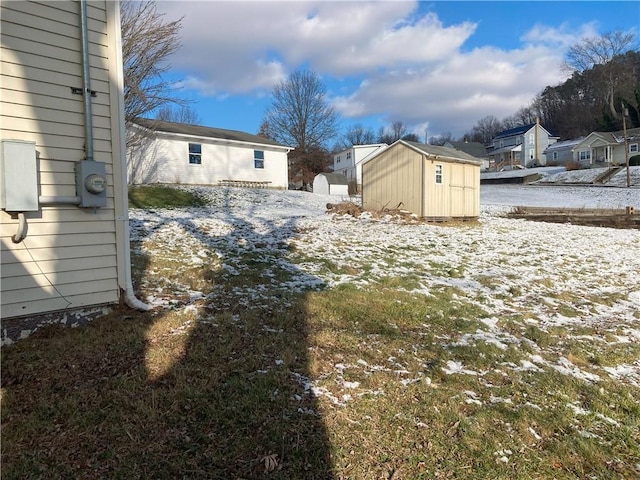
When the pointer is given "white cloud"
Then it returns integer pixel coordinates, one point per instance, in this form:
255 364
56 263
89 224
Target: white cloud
378 58
560 37
242 46
453 94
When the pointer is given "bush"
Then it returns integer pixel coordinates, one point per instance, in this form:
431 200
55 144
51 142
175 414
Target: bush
573 165
634 161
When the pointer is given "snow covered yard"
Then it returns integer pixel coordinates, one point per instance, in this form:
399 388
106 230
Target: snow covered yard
287 342
551 274
500 315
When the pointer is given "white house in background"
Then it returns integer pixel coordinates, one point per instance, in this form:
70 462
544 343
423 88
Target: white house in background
607 148
170 152
349 161
524 146
63 191
331 184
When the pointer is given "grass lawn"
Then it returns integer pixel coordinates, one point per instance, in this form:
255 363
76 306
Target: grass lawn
243 376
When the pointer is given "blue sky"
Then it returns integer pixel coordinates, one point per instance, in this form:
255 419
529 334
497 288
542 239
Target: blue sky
439 67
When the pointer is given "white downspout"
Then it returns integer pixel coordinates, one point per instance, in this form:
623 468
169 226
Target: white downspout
120 197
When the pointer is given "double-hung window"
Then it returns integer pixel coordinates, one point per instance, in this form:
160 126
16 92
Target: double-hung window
258 159
195 154
633 148
584 155
438 174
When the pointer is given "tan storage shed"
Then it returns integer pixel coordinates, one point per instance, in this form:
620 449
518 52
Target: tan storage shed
433 182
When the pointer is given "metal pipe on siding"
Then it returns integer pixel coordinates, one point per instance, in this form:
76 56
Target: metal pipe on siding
58 200
86 81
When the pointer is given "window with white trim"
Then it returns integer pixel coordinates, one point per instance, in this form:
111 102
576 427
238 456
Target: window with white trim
195 154
258 159
438 174
633 148
584 155
532 139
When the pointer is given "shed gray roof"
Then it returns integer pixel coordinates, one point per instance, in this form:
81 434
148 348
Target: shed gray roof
451 153
475 149
335 178
204 132
564 144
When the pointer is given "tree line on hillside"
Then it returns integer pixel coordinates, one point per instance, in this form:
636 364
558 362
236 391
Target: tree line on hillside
604 81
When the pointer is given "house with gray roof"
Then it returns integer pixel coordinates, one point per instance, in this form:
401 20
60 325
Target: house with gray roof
177 153
607 148
561 153
523 146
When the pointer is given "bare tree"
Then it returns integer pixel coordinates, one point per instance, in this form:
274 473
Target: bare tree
411 137
384 136
147 43
264 130
300 116
392 133
181 114
604 54
398 129
485 129
440 140
357 135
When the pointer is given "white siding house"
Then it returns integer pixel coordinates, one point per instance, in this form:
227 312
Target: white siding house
607 148
195 155
64 238
349 161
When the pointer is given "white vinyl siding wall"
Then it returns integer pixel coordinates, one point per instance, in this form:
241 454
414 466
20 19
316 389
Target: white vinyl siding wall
170 163
69 252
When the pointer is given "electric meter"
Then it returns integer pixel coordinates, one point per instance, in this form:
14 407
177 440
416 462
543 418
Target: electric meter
95 183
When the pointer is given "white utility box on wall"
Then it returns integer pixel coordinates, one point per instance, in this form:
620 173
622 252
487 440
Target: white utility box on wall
18 176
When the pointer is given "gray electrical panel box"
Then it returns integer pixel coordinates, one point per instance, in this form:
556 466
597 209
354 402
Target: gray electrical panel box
91 183
18 176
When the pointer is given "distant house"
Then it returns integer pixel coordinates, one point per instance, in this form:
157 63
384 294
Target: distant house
349 161
430 181
63 190
561 153
524 146
607 148
170 152
331 184
475 149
